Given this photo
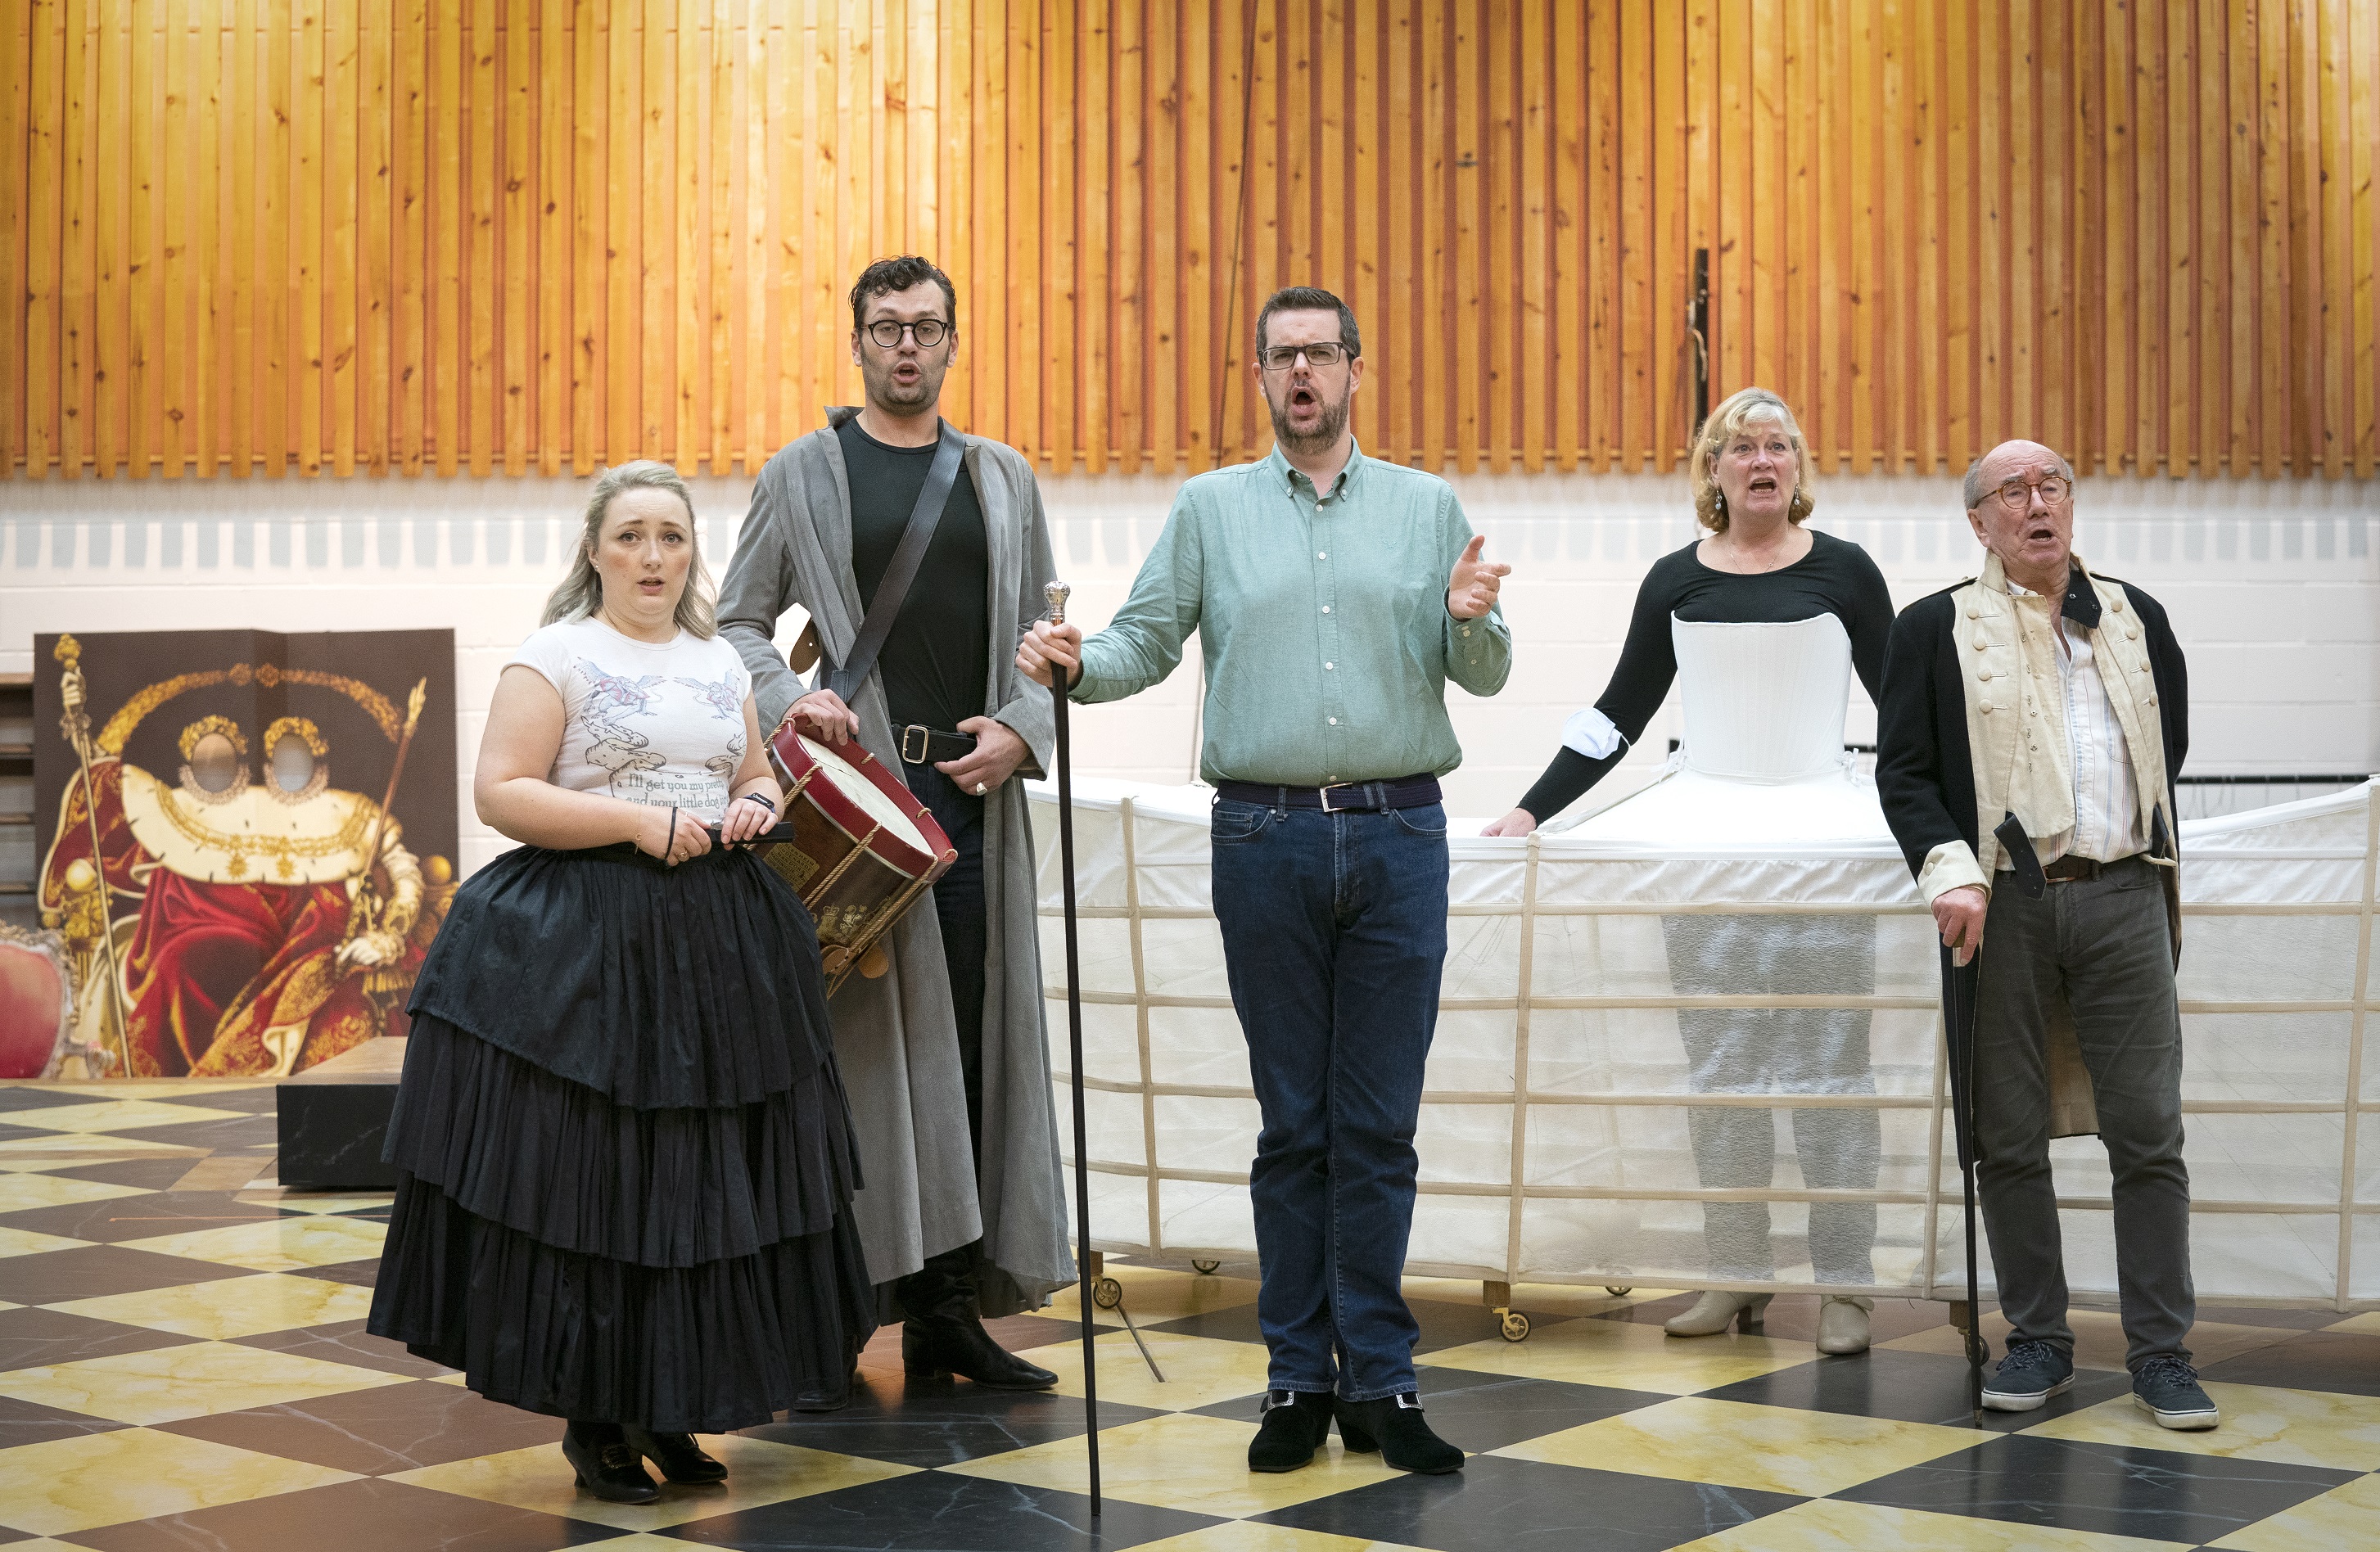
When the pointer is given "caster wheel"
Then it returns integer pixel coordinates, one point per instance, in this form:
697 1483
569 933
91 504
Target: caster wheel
1107 1292
1618 1292
1205 1269
1516 1326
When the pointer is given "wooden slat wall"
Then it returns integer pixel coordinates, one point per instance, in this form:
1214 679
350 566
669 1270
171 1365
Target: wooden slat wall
338 235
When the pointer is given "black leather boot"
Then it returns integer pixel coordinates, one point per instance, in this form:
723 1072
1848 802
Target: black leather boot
827 1395
680 1459
607 1465
1394 1426
942 1335
1295 1424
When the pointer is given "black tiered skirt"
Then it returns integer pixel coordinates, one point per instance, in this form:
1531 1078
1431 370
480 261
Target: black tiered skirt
627 1159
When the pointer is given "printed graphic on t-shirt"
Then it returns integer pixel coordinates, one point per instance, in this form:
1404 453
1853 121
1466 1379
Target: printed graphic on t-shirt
637 772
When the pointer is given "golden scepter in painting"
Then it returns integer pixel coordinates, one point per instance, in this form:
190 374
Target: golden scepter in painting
74 723
363 912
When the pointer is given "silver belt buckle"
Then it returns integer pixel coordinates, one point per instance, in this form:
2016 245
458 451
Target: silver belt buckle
925 744
1356 787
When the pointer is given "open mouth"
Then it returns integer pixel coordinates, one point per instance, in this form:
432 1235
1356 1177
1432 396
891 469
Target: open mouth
651 587
2041 533
1303 398
1763 485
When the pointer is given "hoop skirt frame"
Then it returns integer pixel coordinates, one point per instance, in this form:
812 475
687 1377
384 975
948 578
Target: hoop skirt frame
628 1159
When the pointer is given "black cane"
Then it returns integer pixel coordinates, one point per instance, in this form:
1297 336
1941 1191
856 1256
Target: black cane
1056 592
1959 982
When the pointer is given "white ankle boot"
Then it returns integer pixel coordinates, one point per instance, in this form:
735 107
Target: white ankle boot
1716 1310
1842 1323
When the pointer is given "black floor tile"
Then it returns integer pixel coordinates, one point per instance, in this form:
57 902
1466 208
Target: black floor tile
2347 1361
2258 1314
357 1274
29 1423
15 1096
225 1135
150 1174
87 1271
377 1432
1507 1410
2107 1489
259 1100
347 1342
11 1132
140 1218
935 1513
365 1516
887 1421
1497 1505
1908 1388
33 1337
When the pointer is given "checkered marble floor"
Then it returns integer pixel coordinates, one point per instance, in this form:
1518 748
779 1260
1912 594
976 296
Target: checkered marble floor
183 1364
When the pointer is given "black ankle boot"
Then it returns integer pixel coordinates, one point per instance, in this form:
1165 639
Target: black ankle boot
680 1459
1295 1424
607 1465
1394 1426
827 1395
941 1334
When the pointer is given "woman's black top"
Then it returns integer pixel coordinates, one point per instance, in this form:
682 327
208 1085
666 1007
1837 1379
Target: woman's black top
1836 577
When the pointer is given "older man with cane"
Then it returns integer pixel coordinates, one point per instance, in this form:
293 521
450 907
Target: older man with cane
1334 597
2031 723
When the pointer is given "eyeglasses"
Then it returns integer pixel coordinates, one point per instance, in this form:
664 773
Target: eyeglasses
928 332
1321 353
2017 494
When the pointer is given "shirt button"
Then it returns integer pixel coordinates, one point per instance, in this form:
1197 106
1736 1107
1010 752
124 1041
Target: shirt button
1330 665
1466 630
1322 554
1334 721
1326 609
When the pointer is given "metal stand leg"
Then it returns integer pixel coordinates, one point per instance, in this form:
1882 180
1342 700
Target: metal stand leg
1497 1297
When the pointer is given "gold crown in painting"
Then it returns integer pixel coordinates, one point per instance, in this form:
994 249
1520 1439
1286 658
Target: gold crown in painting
299 728
205 725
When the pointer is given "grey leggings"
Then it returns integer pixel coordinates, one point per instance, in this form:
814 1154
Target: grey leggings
1796 1050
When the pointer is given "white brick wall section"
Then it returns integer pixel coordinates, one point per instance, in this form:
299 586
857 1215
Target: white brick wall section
2273 585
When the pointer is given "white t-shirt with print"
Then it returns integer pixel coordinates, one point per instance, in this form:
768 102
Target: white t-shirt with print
657 724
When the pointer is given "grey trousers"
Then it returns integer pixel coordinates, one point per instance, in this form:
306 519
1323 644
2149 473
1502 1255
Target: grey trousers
1789 1050
2103 943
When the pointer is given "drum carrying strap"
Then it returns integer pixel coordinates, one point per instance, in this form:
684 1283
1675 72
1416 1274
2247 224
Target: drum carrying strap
893 588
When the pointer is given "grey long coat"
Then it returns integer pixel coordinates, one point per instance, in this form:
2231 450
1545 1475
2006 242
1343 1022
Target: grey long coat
895 1037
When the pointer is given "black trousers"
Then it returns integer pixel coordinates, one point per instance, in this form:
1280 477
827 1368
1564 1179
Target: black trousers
958 906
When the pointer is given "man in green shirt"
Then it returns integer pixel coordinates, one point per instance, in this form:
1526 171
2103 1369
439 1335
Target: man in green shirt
1334 597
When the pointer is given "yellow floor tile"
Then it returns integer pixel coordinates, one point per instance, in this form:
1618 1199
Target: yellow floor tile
1830 1525
2260 1423
22 1192
277 1244
64 1149
2099 1340
2367 1323
197 1379
1628 1356
1241 1536
1199 1371
88 1479
313 1201
1197 1464
1155 1293
24 1241
142 1088
1771 1449
758 1472
2346 1519
120 1115
231 1307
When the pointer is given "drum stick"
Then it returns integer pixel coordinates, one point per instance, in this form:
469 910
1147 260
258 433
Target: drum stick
1056 593
774 834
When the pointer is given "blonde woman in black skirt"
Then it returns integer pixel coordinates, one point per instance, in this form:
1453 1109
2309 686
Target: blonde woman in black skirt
628 1159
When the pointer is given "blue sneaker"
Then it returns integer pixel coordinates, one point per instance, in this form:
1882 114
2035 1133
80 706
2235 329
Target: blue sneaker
2168 1390
2030 1375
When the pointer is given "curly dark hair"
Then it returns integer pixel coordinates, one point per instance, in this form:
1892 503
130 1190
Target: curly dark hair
887 276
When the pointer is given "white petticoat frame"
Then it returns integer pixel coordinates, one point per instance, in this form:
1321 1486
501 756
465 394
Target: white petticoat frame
1554 1133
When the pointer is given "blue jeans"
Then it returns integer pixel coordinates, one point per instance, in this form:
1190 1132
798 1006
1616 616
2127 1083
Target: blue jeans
1334 930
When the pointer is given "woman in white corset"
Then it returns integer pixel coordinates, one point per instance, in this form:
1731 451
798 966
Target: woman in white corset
1763 624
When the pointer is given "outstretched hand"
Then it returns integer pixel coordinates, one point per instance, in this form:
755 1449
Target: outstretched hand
1470 591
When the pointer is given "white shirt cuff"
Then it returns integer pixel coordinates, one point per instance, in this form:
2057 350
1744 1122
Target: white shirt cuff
1592 734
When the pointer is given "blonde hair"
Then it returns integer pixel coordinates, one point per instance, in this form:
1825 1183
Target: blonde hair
1739 410
581 593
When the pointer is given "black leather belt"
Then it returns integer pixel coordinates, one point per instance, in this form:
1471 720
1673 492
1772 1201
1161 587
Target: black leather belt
2075 869
1401 791
923 746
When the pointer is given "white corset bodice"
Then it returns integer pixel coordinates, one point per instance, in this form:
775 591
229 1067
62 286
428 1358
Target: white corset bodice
1763 702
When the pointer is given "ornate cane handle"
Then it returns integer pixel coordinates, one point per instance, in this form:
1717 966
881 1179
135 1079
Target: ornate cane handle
1057 593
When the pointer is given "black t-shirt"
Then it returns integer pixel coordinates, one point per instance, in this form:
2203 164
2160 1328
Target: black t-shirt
1836 577
936 662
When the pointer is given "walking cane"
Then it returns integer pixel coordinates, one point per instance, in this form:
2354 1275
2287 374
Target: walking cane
1959 1010
1057 593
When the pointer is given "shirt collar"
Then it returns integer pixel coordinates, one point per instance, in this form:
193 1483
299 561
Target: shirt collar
2080 603
1292 479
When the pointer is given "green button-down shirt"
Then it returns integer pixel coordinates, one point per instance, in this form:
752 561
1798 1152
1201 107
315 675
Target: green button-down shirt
1323 622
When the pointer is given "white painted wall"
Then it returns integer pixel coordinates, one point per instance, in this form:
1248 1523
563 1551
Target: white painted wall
2274 586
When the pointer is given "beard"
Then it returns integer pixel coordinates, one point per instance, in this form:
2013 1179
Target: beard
888 393
1326 430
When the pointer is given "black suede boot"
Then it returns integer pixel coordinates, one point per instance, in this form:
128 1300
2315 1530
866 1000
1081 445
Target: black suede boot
1394 1426
680 1459
607 1465
941 1334
1295 1424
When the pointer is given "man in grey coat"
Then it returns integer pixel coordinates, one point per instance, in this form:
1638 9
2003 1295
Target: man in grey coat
944 1057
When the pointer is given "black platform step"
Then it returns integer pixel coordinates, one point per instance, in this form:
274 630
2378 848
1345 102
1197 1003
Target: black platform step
334 1116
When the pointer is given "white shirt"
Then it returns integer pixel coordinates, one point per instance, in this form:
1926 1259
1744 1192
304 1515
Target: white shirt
660 723
2106 797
